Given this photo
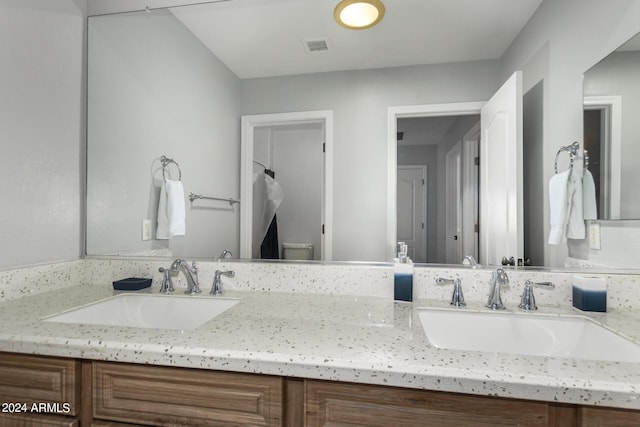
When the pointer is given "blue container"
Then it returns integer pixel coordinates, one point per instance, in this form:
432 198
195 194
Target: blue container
587 300
403 281
403 287
590 293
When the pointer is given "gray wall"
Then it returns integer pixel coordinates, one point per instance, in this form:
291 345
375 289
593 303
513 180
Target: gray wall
359 100
41 131
534 189
159 70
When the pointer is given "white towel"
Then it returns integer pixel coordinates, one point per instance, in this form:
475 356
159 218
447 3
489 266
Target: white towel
589 196
558 207
171 210
575 224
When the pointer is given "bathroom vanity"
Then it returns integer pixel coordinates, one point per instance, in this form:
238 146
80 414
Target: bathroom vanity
293 359
122 394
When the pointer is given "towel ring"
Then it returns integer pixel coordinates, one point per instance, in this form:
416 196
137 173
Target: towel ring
166 162
572 150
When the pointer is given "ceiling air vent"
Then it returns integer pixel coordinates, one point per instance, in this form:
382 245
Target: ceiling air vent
316 45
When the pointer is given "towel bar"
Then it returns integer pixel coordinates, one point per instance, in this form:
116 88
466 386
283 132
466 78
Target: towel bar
193 197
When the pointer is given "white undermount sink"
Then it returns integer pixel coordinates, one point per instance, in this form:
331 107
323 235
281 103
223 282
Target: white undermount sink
536 335
148 311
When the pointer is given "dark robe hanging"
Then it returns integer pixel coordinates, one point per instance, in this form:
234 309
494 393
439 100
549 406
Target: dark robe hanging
269 249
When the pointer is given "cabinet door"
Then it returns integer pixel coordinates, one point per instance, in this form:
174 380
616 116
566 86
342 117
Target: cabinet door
345 405
155 395
40 380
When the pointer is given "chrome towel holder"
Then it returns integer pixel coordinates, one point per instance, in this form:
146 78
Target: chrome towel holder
165 163
193 196
572 149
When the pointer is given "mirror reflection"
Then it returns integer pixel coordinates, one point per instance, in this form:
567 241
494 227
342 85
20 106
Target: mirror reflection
162 83
611 98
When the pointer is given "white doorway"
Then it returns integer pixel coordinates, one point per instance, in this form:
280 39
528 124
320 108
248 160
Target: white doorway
412 210
255 125
440 127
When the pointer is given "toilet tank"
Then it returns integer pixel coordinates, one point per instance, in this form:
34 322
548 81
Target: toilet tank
302 251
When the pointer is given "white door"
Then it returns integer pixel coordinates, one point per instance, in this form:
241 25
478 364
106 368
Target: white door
453 206
412 210
501 219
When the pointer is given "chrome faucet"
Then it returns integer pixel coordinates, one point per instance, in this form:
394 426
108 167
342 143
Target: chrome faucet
216 289
190 273
498 279
469 260
225 254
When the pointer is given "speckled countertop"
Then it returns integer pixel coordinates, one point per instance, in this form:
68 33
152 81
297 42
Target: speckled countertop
369 340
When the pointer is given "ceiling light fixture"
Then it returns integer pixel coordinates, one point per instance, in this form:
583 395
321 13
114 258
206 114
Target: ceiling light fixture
358 14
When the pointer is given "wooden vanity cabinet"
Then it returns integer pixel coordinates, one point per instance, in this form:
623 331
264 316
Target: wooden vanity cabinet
110 394
39 391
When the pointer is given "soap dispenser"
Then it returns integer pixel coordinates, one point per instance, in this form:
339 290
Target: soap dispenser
403 275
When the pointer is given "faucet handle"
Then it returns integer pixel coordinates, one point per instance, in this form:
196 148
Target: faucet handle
457 298
216 289
528 300
166 287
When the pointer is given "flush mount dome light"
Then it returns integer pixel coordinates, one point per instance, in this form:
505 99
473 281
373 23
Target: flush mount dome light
358 14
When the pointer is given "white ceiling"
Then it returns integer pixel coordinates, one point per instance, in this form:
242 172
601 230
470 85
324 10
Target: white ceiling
265 38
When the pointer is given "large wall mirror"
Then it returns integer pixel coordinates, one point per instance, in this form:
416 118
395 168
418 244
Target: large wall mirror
175 82
612 133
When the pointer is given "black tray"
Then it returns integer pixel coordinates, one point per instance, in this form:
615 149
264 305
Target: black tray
131 284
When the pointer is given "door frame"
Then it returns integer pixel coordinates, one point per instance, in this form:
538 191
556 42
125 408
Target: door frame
407 111
248 123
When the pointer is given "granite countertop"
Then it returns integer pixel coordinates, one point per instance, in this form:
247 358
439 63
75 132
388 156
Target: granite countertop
367 340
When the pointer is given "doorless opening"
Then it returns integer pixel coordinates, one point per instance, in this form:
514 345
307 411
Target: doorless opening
269 142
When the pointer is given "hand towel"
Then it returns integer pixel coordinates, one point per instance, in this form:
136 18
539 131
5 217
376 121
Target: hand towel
171 210
558 207
575 225
589 196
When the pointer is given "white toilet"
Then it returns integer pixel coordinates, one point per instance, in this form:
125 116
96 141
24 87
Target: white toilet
301 251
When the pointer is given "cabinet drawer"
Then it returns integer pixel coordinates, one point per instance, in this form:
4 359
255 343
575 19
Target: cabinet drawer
29 420
34 379
153 395
329 404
